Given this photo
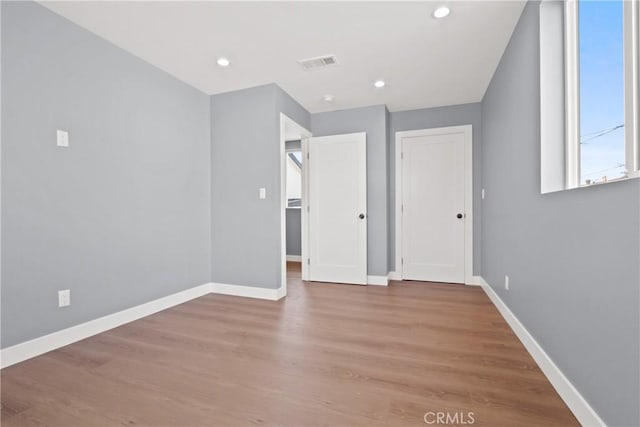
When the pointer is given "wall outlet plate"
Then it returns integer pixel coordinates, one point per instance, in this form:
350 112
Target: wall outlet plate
506 282
62 138
64 298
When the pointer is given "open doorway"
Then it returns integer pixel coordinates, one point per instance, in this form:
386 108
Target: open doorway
293 139
293 161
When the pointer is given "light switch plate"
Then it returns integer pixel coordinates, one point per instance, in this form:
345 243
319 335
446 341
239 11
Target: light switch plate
62 138
263 193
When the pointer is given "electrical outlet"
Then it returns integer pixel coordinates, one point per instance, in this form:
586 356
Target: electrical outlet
263 193
62 138
64 298
483 194
506 282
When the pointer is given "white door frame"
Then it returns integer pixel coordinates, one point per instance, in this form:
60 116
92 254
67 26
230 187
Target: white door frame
304 214
468 194
304 138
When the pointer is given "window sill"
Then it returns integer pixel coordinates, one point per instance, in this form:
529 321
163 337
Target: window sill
634 175
631 177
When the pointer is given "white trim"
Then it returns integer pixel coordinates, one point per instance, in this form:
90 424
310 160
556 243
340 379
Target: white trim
468 194
378 280
248 291
283 201
294 258
552 98
304 134
394 275
632 87
572 95
304 215
468 203
35 347
585 414
476 281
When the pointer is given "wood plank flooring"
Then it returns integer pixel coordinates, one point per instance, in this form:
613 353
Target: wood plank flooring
326 355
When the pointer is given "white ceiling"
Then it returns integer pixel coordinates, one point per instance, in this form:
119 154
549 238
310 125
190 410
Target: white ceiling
425 62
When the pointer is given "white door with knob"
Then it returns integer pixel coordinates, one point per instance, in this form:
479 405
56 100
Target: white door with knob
433 204
337 171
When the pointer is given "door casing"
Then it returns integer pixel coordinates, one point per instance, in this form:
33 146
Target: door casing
466 130
287 122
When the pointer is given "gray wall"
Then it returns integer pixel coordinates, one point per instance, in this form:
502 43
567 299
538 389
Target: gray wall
294 231
245 156
469 114
293 145
371 120
159 192
572 256
121 217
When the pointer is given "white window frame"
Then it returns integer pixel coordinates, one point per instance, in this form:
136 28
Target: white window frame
572 90
632 89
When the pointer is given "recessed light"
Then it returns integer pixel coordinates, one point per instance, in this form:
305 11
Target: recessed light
223 62
441 12
328 98
379 83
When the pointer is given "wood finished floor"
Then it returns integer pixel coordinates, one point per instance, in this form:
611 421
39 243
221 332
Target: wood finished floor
326 355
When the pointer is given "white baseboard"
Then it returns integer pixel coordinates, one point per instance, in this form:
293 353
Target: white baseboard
571 396
393 275
26 350
35 347
475 281
294 258
377 280
247 291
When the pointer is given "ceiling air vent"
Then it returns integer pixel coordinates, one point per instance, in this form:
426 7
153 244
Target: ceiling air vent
319 62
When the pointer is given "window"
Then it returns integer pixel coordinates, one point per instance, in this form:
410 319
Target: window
294 179
601 89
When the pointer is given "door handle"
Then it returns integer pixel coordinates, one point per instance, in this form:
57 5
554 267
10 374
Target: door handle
361 216
459 216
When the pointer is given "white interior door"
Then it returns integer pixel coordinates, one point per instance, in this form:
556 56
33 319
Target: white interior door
433 206
337 205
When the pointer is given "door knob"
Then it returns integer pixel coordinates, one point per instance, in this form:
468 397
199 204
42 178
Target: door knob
459 216
361 216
